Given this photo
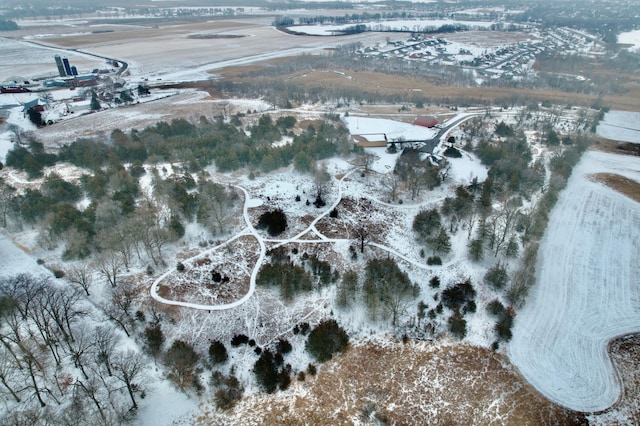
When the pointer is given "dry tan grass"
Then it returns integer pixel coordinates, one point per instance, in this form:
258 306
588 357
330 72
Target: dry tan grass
616 147
623 185
416 383
387 84
625 353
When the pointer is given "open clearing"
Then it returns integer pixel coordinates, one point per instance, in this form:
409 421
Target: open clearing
410 85
587 292
416 383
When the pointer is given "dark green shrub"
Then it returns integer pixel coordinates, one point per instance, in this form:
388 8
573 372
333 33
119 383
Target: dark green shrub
434 260
274 222
266 372
217 352
239 339
327 339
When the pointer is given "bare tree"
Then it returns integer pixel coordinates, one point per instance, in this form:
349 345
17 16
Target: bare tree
415 181
23 290
35 367
387 288
391 182
119 306
91 387
502 222
82 275
62 305
365 161
7 203
117 239
215 205
152 234
470 221
8 373
361 233
81 347
46 327
223 107
445 170
109 264
105 340
129 367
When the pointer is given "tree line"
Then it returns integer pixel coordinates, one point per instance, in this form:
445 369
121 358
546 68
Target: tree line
119 218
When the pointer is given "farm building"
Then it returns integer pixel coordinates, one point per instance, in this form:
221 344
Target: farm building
425 121
13 88
37 104
85 80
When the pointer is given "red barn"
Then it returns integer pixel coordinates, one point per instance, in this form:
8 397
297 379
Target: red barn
425 121
85 80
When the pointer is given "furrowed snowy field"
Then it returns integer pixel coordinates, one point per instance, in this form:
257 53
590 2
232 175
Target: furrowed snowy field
587 291
620 126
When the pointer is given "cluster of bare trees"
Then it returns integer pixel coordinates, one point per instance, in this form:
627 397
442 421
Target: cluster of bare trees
58 365
385 290
140 236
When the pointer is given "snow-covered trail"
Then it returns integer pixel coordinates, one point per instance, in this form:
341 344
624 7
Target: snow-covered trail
249 230
587 291
298 238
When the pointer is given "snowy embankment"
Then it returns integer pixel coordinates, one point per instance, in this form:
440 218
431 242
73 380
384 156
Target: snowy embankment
14 261
587 290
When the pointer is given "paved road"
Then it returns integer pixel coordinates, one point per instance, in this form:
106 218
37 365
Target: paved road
430 144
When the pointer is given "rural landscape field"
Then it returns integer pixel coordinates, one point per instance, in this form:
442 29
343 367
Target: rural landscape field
327 213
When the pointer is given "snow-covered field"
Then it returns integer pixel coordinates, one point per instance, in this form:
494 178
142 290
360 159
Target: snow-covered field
587 291
25 60
400 25
393 129
620 126
630 37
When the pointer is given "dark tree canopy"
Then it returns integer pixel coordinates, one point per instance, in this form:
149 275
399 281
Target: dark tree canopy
291 279
327 339
181 360
217 352
457 325
266 371
458 295
154 338
274 222
497 276
425 223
